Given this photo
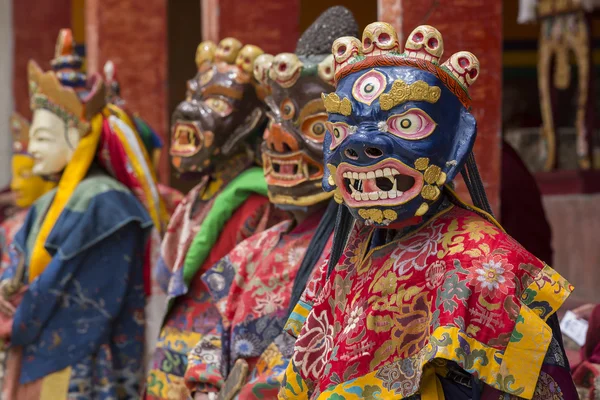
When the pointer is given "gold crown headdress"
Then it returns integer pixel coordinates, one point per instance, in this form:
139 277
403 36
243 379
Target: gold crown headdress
54 92
19 127
423 50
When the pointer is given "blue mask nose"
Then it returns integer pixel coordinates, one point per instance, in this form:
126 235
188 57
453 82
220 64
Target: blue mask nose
366 148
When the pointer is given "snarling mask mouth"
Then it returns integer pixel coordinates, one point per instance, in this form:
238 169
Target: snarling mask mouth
189 139
292 150
387 183
286 161
291 169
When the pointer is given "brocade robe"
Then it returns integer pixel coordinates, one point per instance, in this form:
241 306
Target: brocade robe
424 315
193 314
266 378
251 287
78 332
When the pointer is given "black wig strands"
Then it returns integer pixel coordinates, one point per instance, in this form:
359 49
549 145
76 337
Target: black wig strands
472 179
313 253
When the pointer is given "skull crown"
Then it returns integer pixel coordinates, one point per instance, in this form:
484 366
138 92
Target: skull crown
286 68
229 51
380 45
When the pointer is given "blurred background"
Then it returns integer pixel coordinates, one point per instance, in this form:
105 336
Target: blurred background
535 55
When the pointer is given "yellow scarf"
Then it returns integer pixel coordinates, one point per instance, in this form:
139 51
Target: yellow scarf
74 173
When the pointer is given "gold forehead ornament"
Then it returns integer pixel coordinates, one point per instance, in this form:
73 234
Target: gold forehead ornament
335 105
402 92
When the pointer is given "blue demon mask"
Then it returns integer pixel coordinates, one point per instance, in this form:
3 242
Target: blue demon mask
399 126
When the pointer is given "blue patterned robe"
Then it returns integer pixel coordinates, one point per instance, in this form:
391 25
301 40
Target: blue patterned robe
85 312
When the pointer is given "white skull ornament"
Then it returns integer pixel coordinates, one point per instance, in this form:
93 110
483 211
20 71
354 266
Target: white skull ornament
425 42
379 38
344 49
286 69
261 68
245 58
325 70
464 66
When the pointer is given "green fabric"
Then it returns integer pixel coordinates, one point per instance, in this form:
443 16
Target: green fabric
235 194
149 139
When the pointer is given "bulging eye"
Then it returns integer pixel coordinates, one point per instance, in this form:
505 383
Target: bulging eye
369 87
413 124
313 127
220 106
287 109
339 131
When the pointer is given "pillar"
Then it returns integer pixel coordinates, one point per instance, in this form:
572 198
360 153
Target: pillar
6 69
133 34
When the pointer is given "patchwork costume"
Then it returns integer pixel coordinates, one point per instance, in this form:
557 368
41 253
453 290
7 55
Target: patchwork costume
215 131
426 298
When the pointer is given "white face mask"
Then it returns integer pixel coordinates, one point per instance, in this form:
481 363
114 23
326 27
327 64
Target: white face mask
48 145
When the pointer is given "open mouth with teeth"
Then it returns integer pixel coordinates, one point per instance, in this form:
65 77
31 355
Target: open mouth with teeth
187 139
290 169
387 183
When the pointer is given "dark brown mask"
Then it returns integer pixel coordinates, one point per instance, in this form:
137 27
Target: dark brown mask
292 150
222 109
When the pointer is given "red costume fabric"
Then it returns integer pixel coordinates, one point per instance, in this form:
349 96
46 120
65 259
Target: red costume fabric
457 291
251 287
193 315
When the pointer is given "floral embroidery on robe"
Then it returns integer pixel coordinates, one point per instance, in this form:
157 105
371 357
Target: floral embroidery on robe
457 291
252 288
